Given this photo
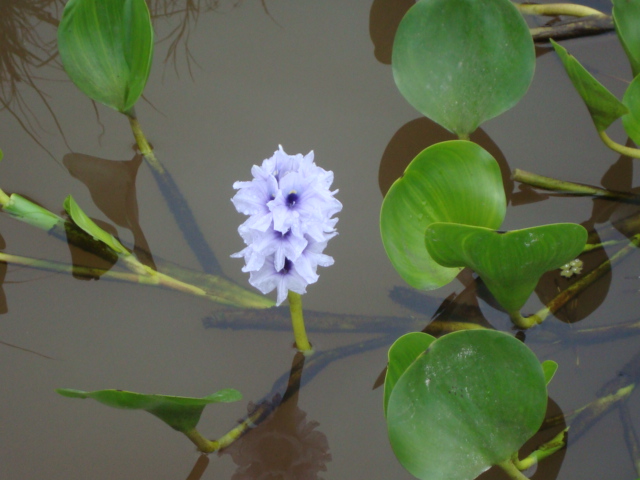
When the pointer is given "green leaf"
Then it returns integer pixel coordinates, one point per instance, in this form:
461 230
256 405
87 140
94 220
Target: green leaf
87 225
455 181
180 413
462 62
31 213
603 106
471 401
626 17
549 367
106 47
631 121
511 263
402 354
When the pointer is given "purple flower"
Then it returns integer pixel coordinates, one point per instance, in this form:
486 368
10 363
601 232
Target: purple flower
290 208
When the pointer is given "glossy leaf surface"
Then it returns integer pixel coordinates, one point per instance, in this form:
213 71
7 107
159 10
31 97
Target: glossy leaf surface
466 404
83 221
106 47
462 62
455 181
402 354
626 17
631 121
603 105
511 263
31 213
180 413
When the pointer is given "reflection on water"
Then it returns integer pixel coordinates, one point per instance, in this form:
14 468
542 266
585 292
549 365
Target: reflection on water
284 446
112 334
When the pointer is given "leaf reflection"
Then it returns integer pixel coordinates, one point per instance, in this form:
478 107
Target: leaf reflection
104 177
286 445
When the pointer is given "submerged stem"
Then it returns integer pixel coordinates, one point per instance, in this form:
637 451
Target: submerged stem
297 321
563 297
564 186
553 9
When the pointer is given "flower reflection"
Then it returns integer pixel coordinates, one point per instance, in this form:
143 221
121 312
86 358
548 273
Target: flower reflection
285 445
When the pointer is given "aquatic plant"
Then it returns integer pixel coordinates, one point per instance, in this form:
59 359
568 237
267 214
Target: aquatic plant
290 208
460 404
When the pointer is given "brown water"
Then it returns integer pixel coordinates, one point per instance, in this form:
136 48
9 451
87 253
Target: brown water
246 78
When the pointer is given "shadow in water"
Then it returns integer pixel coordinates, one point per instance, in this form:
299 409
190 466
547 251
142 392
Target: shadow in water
418 134
112 185
285 445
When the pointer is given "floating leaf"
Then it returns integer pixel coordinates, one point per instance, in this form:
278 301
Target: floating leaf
180 413
511 263
462 62
603 105
31 213
549 367
455 181
631 121
402 354
106 47
468 403
626 17
82 220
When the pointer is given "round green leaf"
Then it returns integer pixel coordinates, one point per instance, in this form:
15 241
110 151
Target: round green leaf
603 105
626 17
455 181
462 62
402 354
106 47
511 263
631 100
469 402
180 413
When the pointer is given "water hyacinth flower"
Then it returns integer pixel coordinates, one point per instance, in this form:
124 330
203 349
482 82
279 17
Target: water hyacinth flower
290 208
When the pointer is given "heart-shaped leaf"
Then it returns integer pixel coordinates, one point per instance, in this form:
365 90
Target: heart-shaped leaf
402 354
468 403
462 62
511 263
83 221
180 413
631 121
603 105
626 17
106 47
455 181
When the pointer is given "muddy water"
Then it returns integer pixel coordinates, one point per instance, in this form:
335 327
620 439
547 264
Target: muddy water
244 79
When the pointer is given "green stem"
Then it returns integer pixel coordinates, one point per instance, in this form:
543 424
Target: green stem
156 278
616 147
297 320
563 297
143 145
592 246
543 451
202 444
463 136
524 322
563 186
511 470
553 9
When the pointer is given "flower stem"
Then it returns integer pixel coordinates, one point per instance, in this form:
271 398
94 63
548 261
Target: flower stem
297 320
